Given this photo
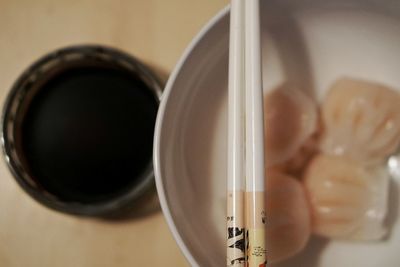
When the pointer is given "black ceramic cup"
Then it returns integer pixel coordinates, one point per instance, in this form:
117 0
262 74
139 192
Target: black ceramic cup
77 130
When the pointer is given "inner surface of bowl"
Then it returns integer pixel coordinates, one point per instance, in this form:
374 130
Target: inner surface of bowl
307 43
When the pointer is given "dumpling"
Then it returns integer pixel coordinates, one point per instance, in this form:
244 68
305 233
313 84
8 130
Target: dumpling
288 217
347 200
290 118
296 164
361 120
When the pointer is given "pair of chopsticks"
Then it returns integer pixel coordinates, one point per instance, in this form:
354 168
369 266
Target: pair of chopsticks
245 183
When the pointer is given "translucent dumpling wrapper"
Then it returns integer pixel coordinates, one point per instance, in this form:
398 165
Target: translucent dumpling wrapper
361 120
288 217
296 164
290 119
348 201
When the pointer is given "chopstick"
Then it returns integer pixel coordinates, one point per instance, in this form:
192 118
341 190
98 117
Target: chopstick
254 200
236 131
245 211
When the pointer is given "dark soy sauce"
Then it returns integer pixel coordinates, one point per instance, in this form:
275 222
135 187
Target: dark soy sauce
87 135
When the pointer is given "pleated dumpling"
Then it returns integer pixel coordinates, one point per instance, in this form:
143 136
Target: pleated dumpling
290 118
348 201
361 120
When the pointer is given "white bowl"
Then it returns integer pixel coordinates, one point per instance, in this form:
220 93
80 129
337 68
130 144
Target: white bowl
310 43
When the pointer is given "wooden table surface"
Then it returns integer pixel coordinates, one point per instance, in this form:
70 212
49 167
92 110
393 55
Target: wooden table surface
155 31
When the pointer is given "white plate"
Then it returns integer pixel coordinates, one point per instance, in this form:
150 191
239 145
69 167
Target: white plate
310 43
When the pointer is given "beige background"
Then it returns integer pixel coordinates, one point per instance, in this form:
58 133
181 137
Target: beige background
155 31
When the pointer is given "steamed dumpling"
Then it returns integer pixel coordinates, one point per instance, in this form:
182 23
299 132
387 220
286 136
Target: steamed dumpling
290 119
361 120
288 217
347 200
295 165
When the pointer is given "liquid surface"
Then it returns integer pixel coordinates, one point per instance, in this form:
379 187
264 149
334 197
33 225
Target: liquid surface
88 134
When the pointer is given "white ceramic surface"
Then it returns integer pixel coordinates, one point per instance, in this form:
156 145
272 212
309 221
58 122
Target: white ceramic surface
308 43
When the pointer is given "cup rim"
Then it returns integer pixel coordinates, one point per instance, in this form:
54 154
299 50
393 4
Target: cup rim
76 52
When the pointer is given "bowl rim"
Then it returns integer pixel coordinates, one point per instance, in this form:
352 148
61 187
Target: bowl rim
159 131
